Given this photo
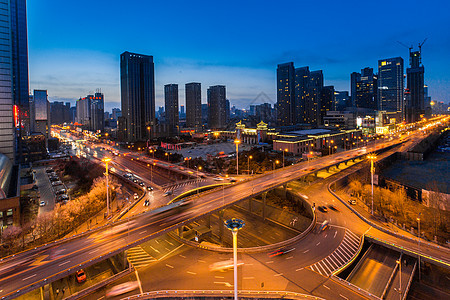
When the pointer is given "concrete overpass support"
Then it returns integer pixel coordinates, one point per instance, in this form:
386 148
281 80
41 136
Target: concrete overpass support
221 225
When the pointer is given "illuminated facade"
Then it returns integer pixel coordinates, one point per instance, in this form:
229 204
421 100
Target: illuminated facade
391 85
286 108
415 100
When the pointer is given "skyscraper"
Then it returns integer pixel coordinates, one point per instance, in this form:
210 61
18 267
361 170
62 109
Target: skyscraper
171 107
137 84
415 105
365 88
7 145
313 105
217 115
354 78
96 113
193 92
390 85
40 117
327 101
301 93
286 110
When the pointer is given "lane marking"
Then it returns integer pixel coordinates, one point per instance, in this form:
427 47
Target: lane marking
143 232
326 235
280 274
182 256
290 257
201 261
171 244
189 272
29 277
326 286
343 296
169 266
219 277
269 262
157 241
154 249
249 278
64 263
306 251
318 244
335 234
298 269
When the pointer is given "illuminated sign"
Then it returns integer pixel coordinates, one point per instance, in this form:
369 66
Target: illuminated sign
16 115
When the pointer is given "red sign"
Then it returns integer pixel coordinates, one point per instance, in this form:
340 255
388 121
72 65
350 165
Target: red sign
16 115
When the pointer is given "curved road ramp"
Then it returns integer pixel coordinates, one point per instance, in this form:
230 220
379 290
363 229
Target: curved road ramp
222 295
381 271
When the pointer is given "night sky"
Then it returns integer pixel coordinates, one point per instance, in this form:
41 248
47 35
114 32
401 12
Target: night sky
74 46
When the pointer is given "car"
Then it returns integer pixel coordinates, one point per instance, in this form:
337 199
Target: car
322 208
149 188
332 207
218 178
352 201
62 198
122 288
54 178
34 188
146 202
80 276
135 196
49 170
141 183
60 192
224 265
135 180
56 183
42 203
168 193
279 252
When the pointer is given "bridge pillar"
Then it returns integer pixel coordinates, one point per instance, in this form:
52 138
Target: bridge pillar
264 205
208 221
337 166
345 162
328 169
221 225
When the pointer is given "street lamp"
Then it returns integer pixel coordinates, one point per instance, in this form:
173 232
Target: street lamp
198 168
168 156
285 150
273 170
235 225
237 142
372 157
248 162
418 239
106 160
399 262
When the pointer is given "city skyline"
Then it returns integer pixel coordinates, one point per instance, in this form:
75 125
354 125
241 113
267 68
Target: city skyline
238 49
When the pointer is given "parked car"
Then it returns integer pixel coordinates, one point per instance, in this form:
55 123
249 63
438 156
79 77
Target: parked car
42 203
146 202
323 208
141 183
352 201
149 188
60 192
54 178
168 193
332 207
49 170
56 183
81 276
135 196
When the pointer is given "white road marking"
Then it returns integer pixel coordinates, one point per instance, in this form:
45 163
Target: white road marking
156 250
143 232
201 261
64 263
298 269
182 256
269 262
343 297
326 235
169 266
318 244
167 248
189 272
219 277
280 274
29 277
171 244
226 283
94 251
306 251
290 257
335 234
249 278
326 286
157 241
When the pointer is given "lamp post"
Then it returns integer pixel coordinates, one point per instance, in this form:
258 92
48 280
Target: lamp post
418 239
235 225
148 140
248 162
372 157
198 168
168 156
273 170
285 150
237 142
106 160
399 262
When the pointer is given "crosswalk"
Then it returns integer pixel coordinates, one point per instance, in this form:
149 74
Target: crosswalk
342 255
178 185
138 257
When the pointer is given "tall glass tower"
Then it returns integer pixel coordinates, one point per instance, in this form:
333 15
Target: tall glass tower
391 85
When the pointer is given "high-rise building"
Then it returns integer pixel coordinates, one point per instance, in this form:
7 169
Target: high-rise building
227 111
116 113
390 85
365 88
342 100
313 105
171 107
59 112
354 78
415 104
217 115
137 84
263 112
193 92
40 113
96 113
286 110
327 101
205 111
302 77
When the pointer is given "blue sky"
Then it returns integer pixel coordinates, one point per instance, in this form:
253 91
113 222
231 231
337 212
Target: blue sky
74 46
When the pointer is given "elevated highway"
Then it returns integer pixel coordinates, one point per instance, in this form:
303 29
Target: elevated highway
34 268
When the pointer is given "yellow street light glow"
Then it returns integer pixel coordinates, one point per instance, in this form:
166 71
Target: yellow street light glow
106 160
237 141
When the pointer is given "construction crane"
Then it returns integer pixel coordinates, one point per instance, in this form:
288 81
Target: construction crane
409 48
421 44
